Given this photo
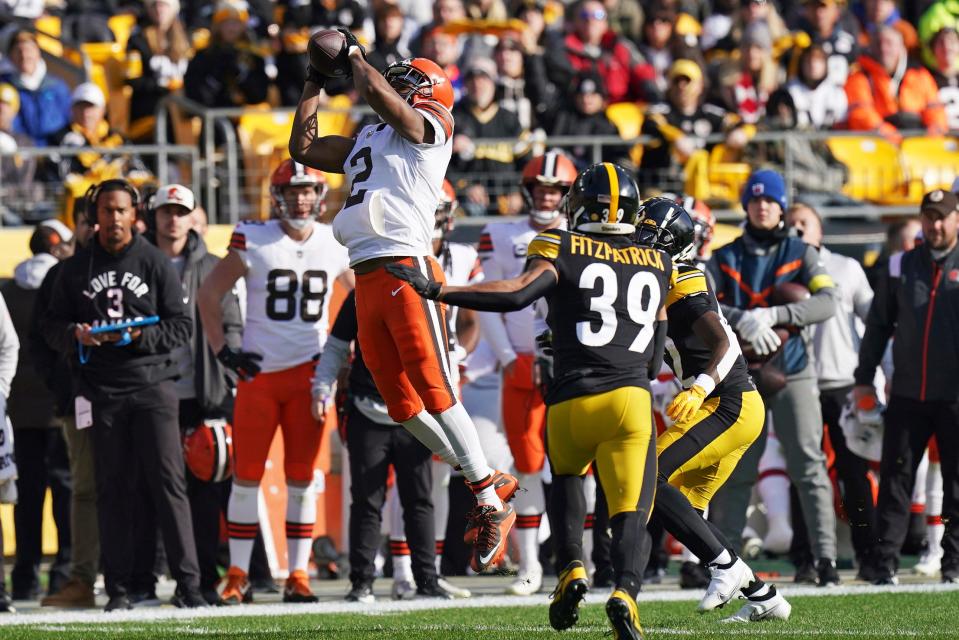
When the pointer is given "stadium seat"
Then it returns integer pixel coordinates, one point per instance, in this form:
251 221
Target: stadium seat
49 29
628 118
929 163
265 136
122 26
875 172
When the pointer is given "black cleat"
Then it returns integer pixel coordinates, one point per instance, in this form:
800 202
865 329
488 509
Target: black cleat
827 574
693 575
570 591
361 592
118 603
623 616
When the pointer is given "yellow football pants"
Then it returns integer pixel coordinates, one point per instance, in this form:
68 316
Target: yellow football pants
614 428
697 456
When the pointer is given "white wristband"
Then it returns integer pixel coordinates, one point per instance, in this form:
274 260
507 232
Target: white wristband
705 381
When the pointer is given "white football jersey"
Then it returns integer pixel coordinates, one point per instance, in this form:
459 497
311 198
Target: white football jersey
502 251
462 267
395 187
288 285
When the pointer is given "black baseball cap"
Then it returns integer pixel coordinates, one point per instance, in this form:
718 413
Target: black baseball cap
939 202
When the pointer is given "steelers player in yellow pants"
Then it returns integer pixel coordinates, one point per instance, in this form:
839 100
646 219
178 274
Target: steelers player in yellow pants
716 417
606 305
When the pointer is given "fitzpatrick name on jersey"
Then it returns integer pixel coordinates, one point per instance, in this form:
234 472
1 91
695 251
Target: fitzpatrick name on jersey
688 300
603 310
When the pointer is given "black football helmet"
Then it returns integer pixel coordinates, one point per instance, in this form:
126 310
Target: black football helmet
604 198
664 224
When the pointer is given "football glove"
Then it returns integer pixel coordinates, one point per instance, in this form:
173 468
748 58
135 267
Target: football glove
315 76
420 283
544 343
755 327
686 403
244 363
351 41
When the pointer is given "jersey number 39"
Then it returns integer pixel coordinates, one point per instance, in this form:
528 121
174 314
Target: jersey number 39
605 305
281 286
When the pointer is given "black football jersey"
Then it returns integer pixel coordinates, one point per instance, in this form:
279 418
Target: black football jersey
689 298
603 310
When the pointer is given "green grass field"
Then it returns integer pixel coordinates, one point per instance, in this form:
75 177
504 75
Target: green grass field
879 615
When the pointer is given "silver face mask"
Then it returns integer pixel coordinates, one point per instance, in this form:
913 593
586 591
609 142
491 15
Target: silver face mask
299 223
544 217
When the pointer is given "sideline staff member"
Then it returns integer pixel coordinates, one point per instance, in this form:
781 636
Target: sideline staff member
128 389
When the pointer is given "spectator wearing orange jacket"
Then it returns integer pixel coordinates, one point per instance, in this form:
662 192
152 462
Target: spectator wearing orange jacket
888 93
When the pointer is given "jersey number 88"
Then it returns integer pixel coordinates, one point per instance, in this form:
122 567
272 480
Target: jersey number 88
281 284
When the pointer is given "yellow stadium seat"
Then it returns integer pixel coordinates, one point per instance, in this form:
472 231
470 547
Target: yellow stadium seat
875 172
49 29
265 136
930 163
628 118
122 26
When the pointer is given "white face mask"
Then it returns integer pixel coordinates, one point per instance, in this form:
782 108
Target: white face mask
299 223
543 217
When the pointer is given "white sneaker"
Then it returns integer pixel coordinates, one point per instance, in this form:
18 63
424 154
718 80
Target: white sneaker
929 563
457 592
527 582
403 590
770 608
725 584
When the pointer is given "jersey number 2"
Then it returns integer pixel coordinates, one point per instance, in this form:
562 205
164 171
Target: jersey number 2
357 195
281 285
604 304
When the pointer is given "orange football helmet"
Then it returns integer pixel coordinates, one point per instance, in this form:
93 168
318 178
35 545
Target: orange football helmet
552 169
208 450
294 174
444 211
419 79
704 220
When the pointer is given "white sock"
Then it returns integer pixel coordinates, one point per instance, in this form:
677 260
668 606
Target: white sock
528 538
428 431
723 558
242 524
402 561
300 518
461 434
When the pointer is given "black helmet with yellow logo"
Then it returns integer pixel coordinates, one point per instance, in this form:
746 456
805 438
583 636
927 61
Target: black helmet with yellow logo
665 224
603 199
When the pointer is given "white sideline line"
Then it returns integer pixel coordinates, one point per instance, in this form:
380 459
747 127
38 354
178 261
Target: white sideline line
54 621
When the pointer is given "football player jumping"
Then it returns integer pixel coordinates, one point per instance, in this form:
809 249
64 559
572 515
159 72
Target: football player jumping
605 296
396 170
288 265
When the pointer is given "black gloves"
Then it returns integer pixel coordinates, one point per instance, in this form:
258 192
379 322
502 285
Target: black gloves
420 283
544 343
351 41
244 363
315 76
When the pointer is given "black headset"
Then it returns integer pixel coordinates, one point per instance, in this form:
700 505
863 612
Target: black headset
114 184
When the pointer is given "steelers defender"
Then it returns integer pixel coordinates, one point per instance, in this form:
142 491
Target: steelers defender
606 298
716 417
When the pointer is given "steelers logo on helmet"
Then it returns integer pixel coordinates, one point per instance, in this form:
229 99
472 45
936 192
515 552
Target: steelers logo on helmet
604 199
664 224
297 207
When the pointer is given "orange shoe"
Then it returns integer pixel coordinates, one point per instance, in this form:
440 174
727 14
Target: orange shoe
492 530
297 588
237 589
505 486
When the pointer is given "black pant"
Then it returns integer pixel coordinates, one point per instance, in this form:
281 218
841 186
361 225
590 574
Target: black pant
139 433
909 426
372 449
853 476
41 456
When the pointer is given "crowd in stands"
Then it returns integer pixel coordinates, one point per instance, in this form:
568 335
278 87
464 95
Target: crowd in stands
522 70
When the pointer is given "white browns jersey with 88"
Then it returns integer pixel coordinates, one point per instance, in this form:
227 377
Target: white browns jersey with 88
288 287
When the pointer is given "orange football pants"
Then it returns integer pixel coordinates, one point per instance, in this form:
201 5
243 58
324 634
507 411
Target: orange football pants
279 398
405 341
524 416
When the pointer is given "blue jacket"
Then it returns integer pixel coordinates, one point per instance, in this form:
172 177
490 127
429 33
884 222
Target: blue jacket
746 272
44 112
